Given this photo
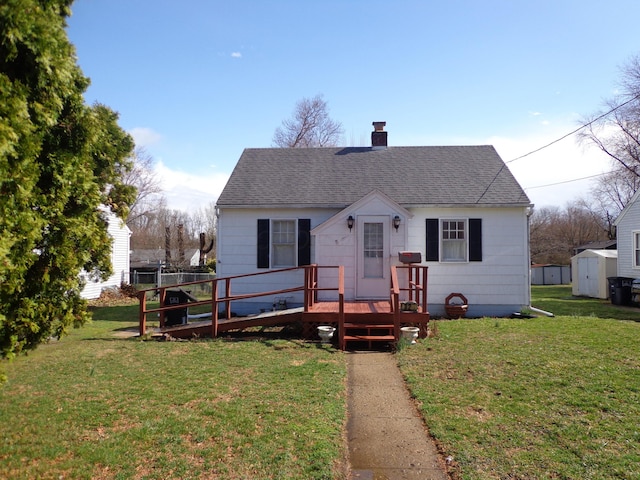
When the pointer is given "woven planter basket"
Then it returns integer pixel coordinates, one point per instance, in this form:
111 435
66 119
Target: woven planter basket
456 310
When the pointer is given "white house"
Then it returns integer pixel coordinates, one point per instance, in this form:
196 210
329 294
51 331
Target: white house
628 238
458 206
120 235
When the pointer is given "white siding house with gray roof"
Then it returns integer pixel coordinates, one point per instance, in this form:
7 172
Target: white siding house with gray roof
628 238
458 206
120 241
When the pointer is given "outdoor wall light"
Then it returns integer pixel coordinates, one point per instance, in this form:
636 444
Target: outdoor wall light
396 222
350 222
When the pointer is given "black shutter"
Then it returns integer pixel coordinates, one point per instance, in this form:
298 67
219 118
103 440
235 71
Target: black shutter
304 241
432 252
263 243
475 239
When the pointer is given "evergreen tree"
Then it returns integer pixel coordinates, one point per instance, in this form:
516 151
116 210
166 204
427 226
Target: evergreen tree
60 165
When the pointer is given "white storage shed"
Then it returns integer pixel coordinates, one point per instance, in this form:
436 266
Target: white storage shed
590 270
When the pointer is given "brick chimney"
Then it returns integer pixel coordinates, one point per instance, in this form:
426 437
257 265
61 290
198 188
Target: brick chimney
378 136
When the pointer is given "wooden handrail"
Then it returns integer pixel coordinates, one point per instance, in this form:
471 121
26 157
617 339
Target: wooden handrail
309 287
416 284
341 316
394 301
416 291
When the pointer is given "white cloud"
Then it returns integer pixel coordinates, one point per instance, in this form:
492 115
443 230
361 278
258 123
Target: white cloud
144 136
189 191
548 175
236 55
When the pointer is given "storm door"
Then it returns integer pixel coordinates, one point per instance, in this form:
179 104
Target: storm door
372 270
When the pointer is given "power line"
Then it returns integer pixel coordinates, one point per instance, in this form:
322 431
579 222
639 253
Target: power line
569 181
635 97
576 130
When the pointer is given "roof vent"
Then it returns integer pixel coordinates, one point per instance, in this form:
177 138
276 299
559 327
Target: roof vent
378 136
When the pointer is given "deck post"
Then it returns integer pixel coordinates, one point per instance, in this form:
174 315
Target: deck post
314 292
424 289
227 303
307 269
341 307
163 294
411 296
214 308
142 297
395 301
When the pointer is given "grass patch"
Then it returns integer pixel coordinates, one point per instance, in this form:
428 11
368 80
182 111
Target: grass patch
96 406
560 301
537 398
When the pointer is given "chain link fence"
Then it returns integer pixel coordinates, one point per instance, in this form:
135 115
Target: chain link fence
145 279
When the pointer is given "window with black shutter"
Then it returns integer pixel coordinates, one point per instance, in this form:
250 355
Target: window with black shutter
283 243
453 240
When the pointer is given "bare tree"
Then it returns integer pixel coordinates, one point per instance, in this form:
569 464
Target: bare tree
556 232
309 127
616 132
147 183
611 192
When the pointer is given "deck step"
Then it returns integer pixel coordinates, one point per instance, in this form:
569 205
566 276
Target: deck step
369 338
369 332
376 326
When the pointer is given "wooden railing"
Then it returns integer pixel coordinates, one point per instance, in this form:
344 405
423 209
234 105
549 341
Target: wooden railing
416 288
309 287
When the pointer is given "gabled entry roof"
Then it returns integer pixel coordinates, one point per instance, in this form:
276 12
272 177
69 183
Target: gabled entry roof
383 205
337 177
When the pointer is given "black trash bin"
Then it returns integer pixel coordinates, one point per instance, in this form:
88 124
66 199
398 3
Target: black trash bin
620 290
179 315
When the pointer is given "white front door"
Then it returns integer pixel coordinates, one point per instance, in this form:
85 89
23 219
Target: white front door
372 265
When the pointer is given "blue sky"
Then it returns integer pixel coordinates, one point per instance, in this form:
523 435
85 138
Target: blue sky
198 81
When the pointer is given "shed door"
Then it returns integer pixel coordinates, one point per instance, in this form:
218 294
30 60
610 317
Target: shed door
588 268
372 266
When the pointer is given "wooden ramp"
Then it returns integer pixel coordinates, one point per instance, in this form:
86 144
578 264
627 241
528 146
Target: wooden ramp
203 328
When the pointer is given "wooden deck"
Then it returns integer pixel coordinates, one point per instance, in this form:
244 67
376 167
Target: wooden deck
363 307
374 322
368 324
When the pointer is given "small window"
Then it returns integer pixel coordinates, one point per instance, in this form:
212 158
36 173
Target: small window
279 243
454 241
636 249
283 243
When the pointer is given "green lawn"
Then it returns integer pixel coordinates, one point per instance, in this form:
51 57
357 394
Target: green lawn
514 399
96 406
537 398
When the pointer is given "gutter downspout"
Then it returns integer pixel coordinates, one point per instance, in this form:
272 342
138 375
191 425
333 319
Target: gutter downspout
543 312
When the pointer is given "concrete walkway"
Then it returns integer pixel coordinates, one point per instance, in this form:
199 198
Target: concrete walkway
386 435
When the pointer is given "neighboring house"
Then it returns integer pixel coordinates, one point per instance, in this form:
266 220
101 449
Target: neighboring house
459 206
601 245
120 235
628 236
590 270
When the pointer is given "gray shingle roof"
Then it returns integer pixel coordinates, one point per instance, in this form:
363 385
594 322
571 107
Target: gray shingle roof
337 177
